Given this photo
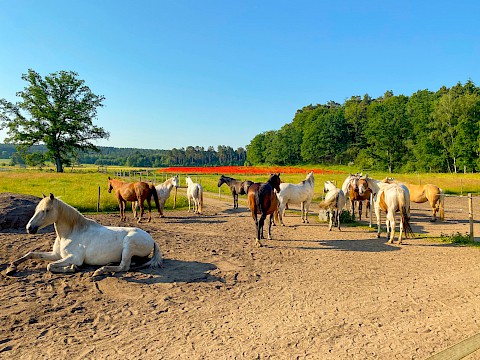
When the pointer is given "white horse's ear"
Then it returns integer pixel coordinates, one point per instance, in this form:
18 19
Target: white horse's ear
51 196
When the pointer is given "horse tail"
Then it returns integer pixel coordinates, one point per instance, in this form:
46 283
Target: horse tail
442 205
404 213
156 260
153 191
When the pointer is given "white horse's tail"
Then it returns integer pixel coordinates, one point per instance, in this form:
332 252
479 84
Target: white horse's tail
404 213
156 260
441 201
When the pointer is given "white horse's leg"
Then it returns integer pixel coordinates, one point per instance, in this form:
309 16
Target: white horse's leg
391 220
307 207
281 212
66 265
188 197
12 268
330 215
377 214
124 265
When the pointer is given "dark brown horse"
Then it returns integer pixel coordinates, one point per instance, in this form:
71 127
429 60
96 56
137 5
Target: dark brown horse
263 200
237 187
359 191
136 192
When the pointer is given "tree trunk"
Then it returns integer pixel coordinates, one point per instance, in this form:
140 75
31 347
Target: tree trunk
59 165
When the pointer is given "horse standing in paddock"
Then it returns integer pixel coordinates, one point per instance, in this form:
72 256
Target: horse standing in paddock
392 198
136 192
237 187
263 201
334 202
301 193
358 191
431 193
195 195
83 241
163 191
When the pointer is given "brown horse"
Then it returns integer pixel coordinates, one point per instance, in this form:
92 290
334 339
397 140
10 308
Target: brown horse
358 190
431 193
263 200
135 192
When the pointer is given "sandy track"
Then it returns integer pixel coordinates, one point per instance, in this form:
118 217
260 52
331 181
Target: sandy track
310 294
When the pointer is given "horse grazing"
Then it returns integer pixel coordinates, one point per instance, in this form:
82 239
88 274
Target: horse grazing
431 193
263 201
334 202
137 193
83 241
237 187
195 195
163 192
301 193
392 198
358 191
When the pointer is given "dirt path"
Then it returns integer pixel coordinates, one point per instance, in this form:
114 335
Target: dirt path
310 294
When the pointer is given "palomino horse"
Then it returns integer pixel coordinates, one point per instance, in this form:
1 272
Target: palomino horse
334 202
301 193
163 191
83 241
136 192
237 187
195 195
392 198
263 200
431 193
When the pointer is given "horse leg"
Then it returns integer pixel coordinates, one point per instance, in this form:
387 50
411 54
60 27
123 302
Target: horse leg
401 231
149 210
377 214
367 210
270 227
337 218
134 209
281 212
124 265
235 201
352 202
261 222
12 268
435 207
330 215
307 207
391 220
360 207
66 265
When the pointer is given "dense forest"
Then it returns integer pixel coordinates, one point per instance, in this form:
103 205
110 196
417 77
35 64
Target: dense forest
427 131
191 156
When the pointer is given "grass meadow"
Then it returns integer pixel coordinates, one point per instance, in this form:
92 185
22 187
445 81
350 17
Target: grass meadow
80 187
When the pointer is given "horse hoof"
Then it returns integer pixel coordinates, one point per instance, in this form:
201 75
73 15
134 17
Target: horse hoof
12 269
258 243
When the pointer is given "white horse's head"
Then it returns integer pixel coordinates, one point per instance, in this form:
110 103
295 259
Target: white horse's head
175 181
188 180
46 213
328 186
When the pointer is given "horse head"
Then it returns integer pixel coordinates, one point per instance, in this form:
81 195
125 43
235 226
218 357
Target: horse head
221 181
274 181
175 181
362 184
45 214
109 186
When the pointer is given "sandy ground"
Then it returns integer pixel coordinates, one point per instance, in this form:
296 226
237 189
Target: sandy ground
309 294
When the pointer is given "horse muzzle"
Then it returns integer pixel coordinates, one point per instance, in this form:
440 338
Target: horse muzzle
32 229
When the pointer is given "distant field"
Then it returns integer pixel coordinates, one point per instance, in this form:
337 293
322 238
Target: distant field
80 186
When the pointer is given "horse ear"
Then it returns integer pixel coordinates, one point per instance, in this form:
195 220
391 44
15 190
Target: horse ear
51 196
109 178
44 195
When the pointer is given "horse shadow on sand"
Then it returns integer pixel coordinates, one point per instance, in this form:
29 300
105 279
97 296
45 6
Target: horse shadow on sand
194 219
370 245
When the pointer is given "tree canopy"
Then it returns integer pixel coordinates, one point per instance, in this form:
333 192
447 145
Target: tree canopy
57 111
427 131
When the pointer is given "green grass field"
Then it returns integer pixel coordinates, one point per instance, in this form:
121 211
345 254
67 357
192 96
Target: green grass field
80 187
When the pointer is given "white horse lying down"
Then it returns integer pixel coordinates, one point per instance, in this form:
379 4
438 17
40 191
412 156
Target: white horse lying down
83 241
334 202
301 193
195 194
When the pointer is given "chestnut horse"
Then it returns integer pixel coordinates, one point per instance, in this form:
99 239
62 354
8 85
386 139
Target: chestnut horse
358 190
136 192
431 193
237 187
263 200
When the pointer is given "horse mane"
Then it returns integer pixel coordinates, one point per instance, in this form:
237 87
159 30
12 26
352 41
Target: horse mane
72 216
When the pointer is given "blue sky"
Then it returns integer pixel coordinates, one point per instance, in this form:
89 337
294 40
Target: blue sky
178 73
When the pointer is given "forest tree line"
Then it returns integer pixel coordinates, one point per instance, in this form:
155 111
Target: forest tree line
189 156
427 132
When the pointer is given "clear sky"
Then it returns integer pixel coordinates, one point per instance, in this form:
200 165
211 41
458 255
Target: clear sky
202 72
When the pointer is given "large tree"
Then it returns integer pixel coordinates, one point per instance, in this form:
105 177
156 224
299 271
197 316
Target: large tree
58 111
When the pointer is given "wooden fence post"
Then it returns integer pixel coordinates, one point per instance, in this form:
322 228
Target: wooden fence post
470 215
98 200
